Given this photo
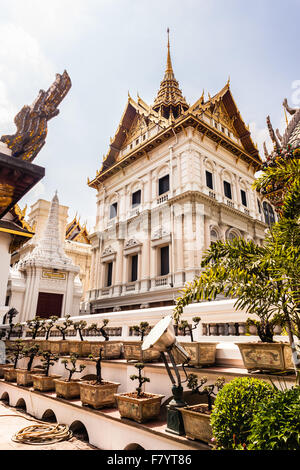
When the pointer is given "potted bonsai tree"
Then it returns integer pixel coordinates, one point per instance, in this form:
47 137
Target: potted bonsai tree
45 382
110 349
14 353
10 315
69 388
35 327
48 327
24 376
82 348
139 406
98 393
196 418
200 353
61 346
133 349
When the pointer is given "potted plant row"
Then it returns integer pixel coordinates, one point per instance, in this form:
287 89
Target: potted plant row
201 353
139 405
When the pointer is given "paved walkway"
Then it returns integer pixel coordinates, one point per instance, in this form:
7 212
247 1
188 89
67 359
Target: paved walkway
18 420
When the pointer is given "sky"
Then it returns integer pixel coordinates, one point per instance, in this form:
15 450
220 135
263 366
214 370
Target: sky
110 47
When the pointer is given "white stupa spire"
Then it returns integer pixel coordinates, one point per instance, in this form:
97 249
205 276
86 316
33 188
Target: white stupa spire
50 251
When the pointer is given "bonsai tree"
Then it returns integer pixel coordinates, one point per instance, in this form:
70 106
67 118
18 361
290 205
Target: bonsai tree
209 390
79 326
48 359
184 325
11 314
64 326
35 326
30 352
72 369
15 352
141 329
101 329
49 325
140 366
99 380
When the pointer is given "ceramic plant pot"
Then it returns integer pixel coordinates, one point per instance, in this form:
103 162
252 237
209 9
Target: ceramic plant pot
110 349
201 354
139 409
133 352
44 383
196 424
98 395
266 356
67 389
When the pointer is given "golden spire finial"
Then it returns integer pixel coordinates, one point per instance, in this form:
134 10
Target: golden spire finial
169 68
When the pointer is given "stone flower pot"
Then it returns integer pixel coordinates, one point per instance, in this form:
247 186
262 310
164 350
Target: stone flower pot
2 367
67 389
266 356
197 424
60 347
82 348
201 354
110 349
133 352
44 383
10 374
139 409
98 395
24 376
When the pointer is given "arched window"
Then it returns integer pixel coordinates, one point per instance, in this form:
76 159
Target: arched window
268 213
232 234
213 236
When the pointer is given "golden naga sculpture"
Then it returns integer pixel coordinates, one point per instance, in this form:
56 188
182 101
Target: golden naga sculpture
32 120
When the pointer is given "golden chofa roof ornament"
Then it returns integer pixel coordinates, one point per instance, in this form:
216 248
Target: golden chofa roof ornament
32 120
169 100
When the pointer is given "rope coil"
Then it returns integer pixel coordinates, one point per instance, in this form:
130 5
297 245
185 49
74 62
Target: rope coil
43 434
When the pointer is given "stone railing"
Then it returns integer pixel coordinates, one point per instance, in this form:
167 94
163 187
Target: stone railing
231 329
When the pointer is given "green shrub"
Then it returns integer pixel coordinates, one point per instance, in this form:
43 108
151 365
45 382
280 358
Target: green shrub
276 425
235 406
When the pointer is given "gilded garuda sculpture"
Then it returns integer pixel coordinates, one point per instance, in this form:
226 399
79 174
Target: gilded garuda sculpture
32 120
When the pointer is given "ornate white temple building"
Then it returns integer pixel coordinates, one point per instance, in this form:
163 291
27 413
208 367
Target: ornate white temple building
45 281
176 177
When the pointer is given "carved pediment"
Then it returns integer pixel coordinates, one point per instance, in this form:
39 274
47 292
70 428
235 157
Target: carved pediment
131 243
160 233
108 251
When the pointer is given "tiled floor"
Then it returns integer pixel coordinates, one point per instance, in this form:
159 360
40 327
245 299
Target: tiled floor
16 421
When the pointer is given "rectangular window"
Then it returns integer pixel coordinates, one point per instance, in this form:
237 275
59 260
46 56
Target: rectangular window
136 198
164 261
163 185
113 210
134 268
209 180
227 189
109 274
244 198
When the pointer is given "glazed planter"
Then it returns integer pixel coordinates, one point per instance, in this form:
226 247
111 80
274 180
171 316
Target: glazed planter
196 424
201 354
24 376
110 349
98 395
66 389
10 374
139 409
133 352
2 367
266 356
82 348
60 347
44 383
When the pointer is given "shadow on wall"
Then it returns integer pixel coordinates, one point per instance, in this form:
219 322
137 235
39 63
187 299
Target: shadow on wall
49 416
79 431
5 398
21 405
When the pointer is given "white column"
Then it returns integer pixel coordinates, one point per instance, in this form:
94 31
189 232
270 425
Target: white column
5 239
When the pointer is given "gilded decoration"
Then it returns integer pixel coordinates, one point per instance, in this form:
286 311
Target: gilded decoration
32 120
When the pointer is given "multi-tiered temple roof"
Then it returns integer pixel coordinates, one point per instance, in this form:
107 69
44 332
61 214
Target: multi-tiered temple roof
143 128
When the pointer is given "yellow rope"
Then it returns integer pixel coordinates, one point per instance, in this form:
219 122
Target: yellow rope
43 434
